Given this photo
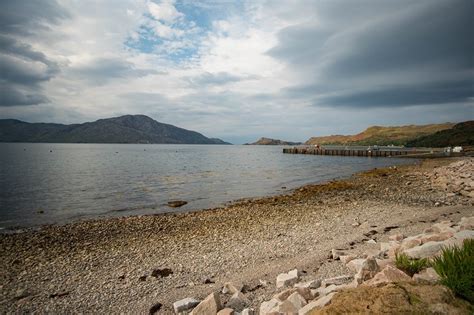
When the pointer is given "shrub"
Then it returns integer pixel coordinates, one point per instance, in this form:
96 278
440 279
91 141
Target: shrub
410 266
455 266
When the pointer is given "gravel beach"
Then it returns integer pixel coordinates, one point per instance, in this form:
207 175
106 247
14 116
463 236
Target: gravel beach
128 265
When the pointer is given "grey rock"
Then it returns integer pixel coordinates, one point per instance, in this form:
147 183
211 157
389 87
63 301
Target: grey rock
185 305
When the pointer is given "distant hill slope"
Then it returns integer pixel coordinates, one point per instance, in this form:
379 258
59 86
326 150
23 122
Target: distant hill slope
377 135
124 129
269 141
461 134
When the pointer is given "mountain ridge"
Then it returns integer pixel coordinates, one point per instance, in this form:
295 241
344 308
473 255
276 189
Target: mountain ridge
122 129
381 135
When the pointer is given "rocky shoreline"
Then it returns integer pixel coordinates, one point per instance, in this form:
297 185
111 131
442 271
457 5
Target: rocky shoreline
144 264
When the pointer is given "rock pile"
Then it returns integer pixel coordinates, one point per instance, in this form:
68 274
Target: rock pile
375 269
369 269
456 178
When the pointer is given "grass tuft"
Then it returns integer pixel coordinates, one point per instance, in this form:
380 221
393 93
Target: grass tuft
455 266
410 266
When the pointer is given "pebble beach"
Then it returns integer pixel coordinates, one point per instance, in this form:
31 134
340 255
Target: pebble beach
132 264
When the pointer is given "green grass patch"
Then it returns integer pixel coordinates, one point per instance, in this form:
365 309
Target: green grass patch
455 266
410 266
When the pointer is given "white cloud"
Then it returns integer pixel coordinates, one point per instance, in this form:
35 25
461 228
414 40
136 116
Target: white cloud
164 11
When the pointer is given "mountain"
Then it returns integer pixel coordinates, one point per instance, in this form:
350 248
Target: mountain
378 135
269 141
123 129
461 134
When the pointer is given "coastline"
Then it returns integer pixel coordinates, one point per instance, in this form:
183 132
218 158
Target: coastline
107 264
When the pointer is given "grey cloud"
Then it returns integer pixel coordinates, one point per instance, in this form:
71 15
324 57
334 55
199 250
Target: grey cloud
370 60
28 17
102 70
403 95
22 68
16 96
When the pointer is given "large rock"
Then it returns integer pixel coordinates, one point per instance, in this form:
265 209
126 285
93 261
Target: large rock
304 292
285 307
267 306
312 284
444 226
464 234
387 275
427 276
436 237
467 223
238 301
426 250
225 311
396 237
248 311
317 304
346 258
411 242
287 279
210 305
338 280
297 300
184 305
355 264
368 270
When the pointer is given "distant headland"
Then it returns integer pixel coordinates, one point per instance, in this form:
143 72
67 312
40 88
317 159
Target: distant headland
123 129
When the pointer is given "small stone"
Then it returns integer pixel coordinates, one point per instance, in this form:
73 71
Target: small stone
176 203
21 294
155 308
184 305
336 253
371 241
161 273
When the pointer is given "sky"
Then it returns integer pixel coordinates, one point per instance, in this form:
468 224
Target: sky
239 70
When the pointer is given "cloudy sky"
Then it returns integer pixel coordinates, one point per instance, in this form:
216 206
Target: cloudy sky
239 70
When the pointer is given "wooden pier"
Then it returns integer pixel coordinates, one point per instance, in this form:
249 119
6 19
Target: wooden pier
346 152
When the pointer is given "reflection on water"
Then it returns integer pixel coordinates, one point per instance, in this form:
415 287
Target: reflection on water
57 183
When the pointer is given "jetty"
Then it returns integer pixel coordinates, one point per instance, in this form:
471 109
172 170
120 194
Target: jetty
388 151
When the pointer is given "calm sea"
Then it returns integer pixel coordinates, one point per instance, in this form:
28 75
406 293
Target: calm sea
59 183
